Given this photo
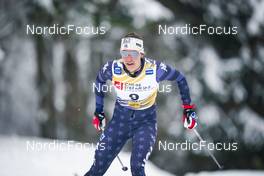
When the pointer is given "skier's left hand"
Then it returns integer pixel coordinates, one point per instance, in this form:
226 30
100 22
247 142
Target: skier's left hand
189 116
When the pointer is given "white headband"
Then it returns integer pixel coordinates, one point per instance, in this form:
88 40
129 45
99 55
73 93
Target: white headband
130 43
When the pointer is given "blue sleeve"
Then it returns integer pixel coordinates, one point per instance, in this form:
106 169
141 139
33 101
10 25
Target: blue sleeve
165 72
104 74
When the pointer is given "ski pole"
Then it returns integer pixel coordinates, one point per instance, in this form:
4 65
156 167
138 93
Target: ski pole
124 168
208 151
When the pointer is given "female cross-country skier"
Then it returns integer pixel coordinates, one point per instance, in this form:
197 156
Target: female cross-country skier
135 79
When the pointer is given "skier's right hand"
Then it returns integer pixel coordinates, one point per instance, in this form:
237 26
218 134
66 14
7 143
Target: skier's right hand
99 121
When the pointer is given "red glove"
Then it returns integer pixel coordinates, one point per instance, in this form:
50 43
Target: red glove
189 116
99 121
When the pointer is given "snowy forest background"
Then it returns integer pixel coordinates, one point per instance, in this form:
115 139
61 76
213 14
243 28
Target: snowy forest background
46 80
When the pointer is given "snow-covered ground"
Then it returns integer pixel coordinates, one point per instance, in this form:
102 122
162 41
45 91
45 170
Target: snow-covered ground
26 156
230 173
55 158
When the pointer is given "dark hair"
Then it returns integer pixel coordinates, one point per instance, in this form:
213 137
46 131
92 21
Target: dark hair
133 35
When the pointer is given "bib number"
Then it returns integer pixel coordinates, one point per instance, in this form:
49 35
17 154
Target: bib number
134 97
